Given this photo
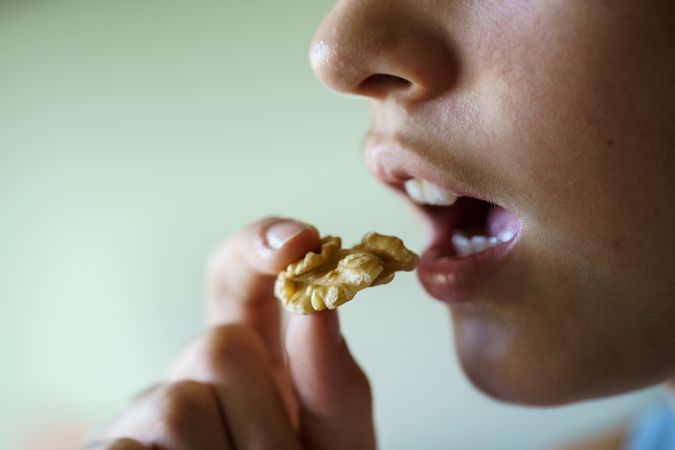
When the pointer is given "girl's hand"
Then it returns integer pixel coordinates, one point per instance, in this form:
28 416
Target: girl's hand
240 385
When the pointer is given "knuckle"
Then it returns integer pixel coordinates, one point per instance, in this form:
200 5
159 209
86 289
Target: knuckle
362 385
184 405
228 343
365 387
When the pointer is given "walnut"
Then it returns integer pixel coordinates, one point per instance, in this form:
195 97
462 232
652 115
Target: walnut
333 277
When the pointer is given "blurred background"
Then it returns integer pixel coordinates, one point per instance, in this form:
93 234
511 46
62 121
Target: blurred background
136 134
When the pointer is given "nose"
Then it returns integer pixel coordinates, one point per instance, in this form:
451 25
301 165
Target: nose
377 49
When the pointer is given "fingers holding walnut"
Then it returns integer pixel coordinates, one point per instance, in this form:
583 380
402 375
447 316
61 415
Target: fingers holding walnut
332 277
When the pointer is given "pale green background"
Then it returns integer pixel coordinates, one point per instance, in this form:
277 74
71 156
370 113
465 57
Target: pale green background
136 134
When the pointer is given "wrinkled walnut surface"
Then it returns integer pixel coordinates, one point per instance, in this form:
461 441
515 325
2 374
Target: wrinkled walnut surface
334 276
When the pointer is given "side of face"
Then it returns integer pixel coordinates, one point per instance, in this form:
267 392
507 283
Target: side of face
565 112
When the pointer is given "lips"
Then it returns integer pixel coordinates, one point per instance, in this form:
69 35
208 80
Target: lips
470 237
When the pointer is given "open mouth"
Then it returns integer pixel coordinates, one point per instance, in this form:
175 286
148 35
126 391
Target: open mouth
469 239
462 226
470 235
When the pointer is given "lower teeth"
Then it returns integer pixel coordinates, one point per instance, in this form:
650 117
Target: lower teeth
465 246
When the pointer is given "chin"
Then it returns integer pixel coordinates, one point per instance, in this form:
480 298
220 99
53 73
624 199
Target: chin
513 370
533 369
508 388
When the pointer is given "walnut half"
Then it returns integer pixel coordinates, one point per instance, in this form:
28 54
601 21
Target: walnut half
334 276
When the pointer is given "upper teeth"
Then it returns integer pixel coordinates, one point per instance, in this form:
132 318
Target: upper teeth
425 192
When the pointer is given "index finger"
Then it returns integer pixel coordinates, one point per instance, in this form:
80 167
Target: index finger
241 272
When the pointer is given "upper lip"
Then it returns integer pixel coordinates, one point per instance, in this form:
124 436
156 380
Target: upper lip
395 160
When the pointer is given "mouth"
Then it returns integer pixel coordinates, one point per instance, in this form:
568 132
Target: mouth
470 232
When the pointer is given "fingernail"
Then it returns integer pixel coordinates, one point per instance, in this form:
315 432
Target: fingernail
281 232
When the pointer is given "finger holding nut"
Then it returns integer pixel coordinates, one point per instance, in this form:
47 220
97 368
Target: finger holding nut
231 388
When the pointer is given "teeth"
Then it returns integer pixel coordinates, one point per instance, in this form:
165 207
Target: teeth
506 236
462 244
427 193
465 246
414 189
479 243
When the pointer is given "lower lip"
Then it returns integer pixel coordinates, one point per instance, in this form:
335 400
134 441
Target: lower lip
453 279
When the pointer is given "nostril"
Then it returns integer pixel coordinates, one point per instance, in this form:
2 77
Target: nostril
380 85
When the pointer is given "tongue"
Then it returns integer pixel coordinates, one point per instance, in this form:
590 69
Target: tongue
502 223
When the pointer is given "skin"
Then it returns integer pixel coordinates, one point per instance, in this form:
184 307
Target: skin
562 112
244 385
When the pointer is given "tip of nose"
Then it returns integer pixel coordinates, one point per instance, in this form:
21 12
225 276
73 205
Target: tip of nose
337 74
332 68
319 53
407 72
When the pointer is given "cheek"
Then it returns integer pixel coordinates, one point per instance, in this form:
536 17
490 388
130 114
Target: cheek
587 121
579 135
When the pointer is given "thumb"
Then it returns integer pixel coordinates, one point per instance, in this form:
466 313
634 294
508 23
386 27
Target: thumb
334 397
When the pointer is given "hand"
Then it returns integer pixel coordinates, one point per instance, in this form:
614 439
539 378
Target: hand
240 385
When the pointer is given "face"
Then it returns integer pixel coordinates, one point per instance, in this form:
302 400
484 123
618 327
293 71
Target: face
554 121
